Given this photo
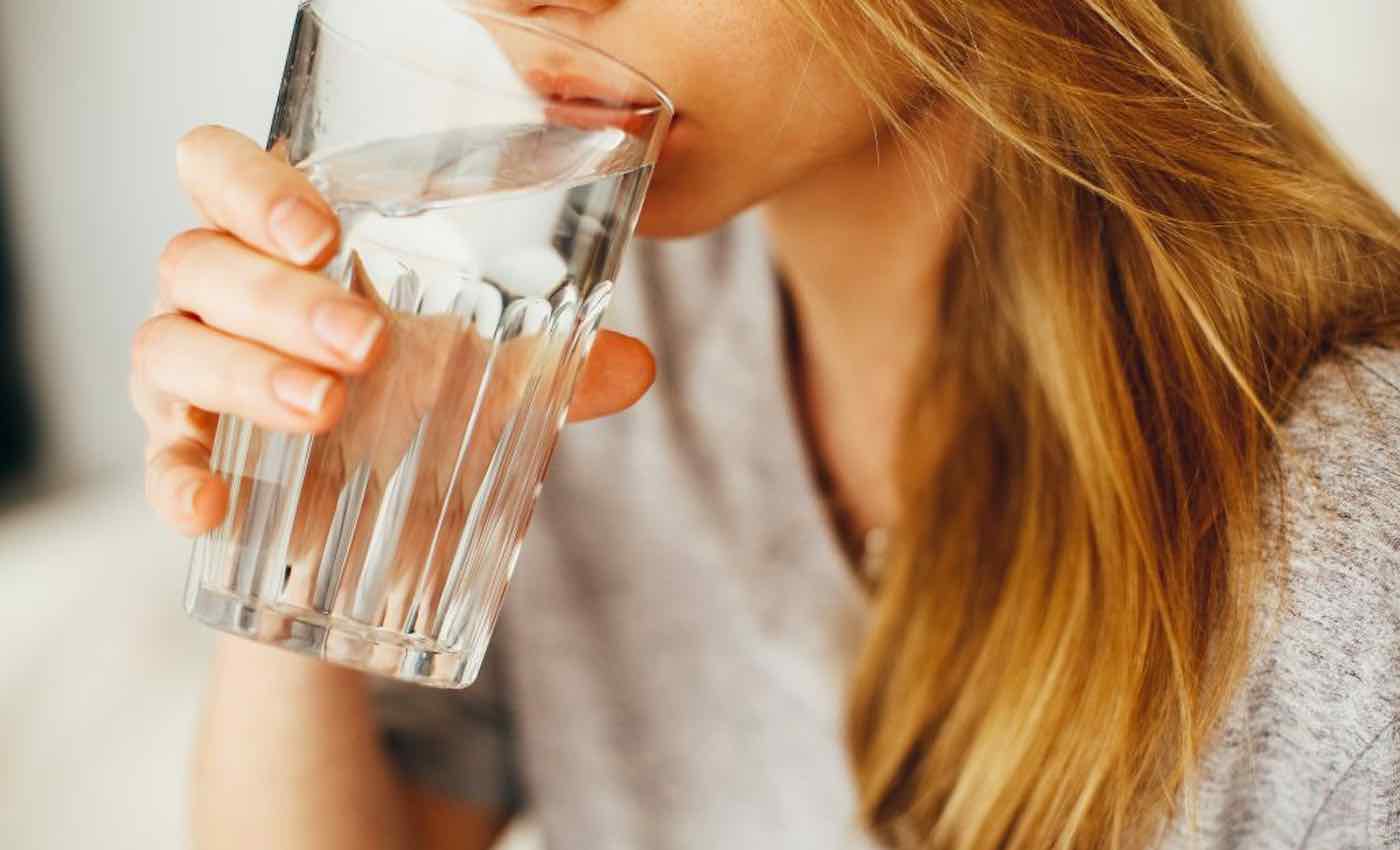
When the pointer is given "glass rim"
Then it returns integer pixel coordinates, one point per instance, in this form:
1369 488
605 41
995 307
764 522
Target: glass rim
663 106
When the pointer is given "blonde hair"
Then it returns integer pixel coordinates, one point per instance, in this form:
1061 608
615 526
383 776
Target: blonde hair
1159 246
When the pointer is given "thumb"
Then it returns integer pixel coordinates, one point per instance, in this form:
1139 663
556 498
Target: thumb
619 372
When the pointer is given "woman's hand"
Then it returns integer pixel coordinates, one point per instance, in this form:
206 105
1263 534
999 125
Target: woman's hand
243 324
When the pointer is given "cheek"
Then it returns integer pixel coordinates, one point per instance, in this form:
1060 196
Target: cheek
743 151
761 109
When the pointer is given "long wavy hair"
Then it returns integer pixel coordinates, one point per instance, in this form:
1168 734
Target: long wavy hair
1158 247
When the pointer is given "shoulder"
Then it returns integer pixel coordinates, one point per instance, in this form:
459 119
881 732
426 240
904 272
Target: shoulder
1349 403
1339 455
1338 507
1307 755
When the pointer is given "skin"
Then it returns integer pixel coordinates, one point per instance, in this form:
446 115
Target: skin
243 324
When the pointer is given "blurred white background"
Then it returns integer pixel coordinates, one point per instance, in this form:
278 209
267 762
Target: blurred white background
100 672
95 95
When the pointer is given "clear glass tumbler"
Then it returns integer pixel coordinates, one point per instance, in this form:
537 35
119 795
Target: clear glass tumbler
487 174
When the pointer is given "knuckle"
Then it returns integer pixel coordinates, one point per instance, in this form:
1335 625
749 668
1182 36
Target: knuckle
145 338
187 144
173 258
193 141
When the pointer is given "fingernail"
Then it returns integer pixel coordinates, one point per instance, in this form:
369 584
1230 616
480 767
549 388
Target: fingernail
300 230
189 495
301 390
347 327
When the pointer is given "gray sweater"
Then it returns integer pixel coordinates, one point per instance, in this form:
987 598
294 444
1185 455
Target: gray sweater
668 673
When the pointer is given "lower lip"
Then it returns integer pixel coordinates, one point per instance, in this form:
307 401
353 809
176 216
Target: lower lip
596 116
591 116
565 103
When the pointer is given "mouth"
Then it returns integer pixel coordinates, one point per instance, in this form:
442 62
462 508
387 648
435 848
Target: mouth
575 88
588 104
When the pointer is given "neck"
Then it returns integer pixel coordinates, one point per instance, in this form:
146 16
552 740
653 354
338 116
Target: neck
861 246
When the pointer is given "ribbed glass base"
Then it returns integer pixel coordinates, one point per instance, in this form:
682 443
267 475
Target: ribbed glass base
332 639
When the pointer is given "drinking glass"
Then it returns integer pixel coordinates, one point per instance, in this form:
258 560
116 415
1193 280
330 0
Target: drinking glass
487 174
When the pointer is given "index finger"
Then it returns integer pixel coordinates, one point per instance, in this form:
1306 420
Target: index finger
253 195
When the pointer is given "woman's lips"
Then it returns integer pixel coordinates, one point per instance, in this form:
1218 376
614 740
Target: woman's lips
585 103
589 116
575 87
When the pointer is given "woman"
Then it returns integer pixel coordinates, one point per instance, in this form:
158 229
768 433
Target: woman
1068 302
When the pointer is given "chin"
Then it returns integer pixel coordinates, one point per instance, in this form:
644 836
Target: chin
673 211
